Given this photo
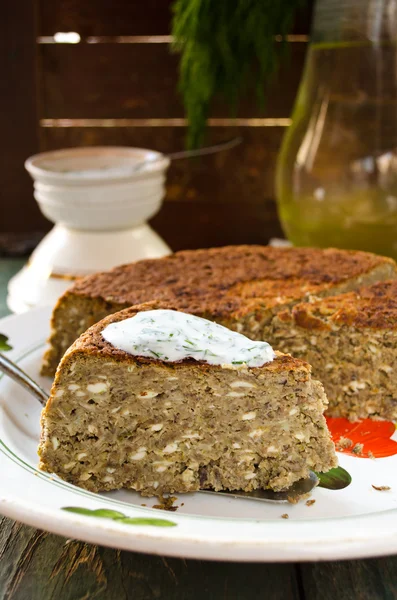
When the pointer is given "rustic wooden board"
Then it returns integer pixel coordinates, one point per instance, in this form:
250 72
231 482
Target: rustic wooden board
231 194
104 17
202 225
244 174
121 17
374 579
18 116
39 566
223 198
141 81
36 565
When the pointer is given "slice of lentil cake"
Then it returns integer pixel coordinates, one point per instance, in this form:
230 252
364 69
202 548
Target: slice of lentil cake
351 342
241 287
156 425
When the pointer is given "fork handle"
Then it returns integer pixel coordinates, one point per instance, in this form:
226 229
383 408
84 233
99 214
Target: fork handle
17 374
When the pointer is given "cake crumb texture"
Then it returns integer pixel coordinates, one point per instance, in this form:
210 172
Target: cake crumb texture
114 420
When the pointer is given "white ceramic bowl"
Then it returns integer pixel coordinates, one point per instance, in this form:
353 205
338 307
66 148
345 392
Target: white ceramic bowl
82 196
84 166
97 188
100 207
102 217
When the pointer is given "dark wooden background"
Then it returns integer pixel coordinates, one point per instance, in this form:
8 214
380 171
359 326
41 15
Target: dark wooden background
119 86
35 565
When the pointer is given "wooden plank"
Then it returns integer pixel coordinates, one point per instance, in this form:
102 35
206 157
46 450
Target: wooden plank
38 566
351 580
244 174
104 17
304 17
140 81
121 17
203 225
18 116
225 198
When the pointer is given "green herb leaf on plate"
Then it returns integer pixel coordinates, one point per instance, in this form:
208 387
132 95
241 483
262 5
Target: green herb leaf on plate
4 345
335 479
114 515
104 513
144 521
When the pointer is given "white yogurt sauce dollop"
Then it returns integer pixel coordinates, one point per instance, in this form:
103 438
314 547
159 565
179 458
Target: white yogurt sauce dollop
171 336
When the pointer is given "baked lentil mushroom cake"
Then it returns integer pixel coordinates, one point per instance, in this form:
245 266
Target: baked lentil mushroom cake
351 342
241 287
115 419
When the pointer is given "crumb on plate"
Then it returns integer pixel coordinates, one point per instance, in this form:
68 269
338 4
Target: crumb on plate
343 443
358 449
166 503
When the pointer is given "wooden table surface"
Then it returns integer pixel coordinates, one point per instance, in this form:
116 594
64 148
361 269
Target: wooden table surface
35 565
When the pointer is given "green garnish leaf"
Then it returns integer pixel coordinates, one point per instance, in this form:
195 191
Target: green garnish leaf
4 345
104 513
144 521
119 517
335 479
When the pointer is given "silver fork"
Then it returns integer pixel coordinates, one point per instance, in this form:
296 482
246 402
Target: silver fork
297 490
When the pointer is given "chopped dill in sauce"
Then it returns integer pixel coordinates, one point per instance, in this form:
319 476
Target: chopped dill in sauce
172 336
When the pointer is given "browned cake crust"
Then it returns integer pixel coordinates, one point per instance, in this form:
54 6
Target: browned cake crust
351 342
198 279
373 307
92 342
241 287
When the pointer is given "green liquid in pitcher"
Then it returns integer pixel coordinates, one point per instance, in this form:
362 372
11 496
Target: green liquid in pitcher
337 172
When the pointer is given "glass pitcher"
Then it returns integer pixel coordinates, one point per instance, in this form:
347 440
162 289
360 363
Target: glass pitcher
337 169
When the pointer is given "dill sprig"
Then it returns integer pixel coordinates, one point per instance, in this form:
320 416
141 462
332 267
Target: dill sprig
226 47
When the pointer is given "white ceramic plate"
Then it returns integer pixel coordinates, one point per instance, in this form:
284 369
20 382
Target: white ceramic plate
357 521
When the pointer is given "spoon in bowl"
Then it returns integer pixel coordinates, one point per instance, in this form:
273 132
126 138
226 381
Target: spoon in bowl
188 153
